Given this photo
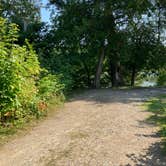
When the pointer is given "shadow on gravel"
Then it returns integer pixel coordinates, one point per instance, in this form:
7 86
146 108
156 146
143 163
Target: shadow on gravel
156 153
118 96
154 135
151 158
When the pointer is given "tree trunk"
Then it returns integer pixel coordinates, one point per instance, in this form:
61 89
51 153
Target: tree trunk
99 69
116 77
88 73
133 76
25 25
113 74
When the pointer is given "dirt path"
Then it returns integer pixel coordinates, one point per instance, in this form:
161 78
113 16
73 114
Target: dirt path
97 128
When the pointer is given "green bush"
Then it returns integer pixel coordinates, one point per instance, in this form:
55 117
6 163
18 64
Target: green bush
19 68
23 92
50 86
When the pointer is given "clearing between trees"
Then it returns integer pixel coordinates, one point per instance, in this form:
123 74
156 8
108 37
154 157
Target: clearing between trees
96 128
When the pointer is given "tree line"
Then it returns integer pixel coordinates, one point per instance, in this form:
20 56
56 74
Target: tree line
107 43
95 43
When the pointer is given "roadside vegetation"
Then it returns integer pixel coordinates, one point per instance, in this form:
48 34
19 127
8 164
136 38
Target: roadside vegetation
158 107
26 89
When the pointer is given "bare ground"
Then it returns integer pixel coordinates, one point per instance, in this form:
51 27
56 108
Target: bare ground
97 128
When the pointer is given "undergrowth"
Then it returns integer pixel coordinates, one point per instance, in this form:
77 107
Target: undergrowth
26 89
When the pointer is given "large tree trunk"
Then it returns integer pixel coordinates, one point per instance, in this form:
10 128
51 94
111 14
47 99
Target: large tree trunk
25 25
133 74
116 77
99 69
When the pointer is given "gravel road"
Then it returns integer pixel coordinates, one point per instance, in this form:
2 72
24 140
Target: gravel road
95 128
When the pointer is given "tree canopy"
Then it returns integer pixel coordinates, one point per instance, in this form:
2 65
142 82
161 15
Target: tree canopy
108 40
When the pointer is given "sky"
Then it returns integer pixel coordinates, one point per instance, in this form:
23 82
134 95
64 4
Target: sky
45 13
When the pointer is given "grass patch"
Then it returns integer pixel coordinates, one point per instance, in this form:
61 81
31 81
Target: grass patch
158 107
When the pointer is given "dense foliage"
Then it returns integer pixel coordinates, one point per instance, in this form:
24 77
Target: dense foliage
24 90
105 43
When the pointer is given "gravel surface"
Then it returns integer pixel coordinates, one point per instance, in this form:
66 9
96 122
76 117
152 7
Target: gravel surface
96 128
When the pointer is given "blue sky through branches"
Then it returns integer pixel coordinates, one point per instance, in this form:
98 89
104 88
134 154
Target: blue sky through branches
45 13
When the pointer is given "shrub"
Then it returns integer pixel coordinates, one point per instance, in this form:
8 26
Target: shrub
50 86
19 67
23 92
